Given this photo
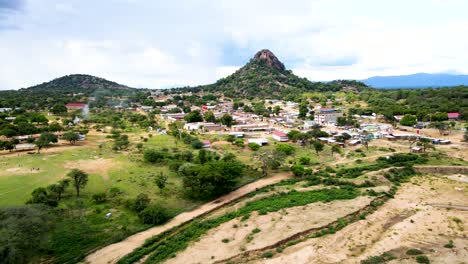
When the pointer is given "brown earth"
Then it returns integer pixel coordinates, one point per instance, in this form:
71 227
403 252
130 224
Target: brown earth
410 220
98 166
273 227
112 253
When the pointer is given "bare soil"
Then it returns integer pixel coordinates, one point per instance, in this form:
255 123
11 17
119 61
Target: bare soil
98 166
112 253
410 220
235 236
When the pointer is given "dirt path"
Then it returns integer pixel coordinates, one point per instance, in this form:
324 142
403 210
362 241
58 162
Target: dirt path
112 253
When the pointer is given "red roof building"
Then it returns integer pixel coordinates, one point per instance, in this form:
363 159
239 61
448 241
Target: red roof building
280 136
75 105
454 115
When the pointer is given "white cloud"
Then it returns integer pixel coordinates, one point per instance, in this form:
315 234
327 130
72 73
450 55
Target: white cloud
162 44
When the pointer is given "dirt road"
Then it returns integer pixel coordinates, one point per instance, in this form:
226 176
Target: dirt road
112 253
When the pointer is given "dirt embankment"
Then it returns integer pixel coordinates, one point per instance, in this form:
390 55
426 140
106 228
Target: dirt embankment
410 220
112 253
442 169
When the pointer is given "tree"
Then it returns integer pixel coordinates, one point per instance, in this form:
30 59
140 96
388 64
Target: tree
40 196
23 233
411 141
276 110
425 143
303 109
141 202
210 179
335 149
202 156
298 170
70 136
226 120
210 117
121 142
194 116
59 188
318 146
44 140
79 179
285 148
154 215
253 146
269 159
58 109
408 120
161 181
465 135
153 156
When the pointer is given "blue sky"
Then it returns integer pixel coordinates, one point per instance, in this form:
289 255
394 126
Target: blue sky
157 44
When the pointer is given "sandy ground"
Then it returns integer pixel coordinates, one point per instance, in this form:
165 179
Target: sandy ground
113 252
98 166
274 227
18 170
408 221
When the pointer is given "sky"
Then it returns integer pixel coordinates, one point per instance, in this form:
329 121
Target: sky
162 44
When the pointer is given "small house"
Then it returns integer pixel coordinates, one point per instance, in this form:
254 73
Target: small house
280 136
453 116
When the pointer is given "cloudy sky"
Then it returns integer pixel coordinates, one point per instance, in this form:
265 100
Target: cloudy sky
158 44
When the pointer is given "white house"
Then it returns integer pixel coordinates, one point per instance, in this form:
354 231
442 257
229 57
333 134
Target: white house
259 141
280 136
326 116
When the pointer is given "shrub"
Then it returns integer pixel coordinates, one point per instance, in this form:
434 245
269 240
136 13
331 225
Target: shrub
268 254
414 251
256 230
304 160
99 197
422 259
253 146
225 240
153 156
449 244
285 148
298 170
154 215
141 202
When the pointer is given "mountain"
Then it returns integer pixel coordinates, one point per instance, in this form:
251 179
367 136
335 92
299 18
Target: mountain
77 83
265 76
418 80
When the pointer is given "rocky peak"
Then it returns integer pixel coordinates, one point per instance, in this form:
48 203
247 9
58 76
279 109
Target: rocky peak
267 57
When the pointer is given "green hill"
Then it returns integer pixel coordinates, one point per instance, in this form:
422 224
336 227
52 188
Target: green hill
266 77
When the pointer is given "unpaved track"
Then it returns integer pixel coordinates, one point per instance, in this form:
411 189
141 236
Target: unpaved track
112 253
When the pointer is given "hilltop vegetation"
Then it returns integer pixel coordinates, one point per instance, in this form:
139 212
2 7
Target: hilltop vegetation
75 87
266 77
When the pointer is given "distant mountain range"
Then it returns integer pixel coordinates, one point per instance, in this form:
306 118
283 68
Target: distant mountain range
418 80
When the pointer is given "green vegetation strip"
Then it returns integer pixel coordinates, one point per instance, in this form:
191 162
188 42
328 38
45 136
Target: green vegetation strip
167 244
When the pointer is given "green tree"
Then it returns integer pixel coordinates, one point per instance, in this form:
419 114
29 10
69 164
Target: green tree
141 202
210 117
79 179
154 215
44 140
335 149
285 148
408 120
276 110
70 136
58 109
24 233
318 146
161 181
254 146
194 116
303 110
226 120
59 188
269 159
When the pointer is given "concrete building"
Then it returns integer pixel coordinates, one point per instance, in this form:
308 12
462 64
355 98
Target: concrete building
280 136
326 116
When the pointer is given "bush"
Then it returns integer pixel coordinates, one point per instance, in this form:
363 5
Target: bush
99 197
298 170
422 259
153 156
197 144
304 160
154 215
141 202
253 146
449 244
285 148
268 254
414 251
